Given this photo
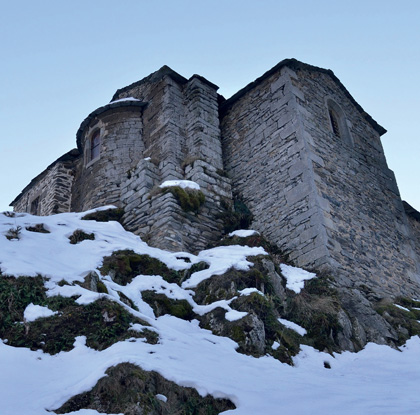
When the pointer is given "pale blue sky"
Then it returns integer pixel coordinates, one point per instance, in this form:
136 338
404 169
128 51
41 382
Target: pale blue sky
60 60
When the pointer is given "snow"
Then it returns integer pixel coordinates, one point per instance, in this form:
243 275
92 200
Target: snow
295 277
243 233
125 99
161 397
376 381
221 259
290 325
233 315
33 312
248 291
184 184
401 307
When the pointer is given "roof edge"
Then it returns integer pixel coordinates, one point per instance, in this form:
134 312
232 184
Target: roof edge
205 81
153 77
410 211
101 110
295 64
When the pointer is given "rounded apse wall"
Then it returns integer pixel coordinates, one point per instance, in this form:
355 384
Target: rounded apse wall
110 140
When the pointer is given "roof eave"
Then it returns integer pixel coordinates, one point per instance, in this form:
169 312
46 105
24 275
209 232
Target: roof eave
295 64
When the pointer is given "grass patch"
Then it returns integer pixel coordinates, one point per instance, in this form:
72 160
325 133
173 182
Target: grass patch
14 233
37 228
255 240
125 265
79 236
316 308
190 200
106 215
227 285
240 217
404 322
102 322
15 295
162 305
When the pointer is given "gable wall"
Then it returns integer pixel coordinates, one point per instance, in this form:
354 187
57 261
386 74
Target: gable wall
368 237
53 190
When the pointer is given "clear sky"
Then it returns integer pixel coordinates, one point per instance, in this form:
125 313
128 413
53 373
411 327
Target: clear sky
60 60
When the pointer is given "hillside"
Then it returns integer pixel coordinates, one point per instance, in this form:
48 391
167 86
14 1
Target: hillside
93 320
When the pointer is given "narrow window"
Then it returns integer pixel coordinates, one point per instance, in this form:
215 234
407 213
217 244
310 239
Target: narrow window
35 206
338 122
95 145
334 123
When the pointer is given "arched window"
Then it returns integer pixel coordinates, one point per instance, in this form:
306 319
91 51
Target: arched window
334 122
95 145
338 122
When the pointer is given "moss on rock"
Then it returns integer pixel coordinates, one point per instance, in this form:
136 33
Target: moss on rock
106 215
162 305
405 322
130 390
125 265
103 322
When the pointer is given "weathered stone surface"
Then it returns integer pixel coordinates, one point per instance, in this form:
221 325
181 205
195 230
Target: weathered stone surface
322 192
368 325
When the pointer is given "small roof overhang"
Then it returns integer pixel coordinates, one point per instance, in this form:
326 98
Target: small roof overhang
121 103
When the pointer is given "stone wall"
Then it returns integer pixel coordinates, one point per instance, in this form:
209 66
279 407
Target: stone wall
329 202
266 157
98 181
182 141
50 193
413 218
368 237
294 145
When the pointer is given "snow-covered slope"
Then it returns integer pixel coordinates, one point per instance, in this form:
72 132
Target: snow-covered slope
377 380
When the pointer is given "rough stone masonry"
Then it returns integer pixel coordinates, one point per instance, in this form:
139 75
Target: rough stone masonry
293 145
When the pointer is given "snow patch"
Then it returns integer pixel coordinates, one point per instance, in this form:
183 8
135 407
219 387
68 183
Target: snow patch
234 315
248 291
243 233
33 312
184 184
401 307
378 380
293 326
125 99
295 277
161 397
221 259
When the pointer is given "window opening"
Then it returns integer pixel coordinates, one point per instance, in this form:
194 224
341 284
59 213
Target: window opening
334 123
95 145
35 206
338 122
